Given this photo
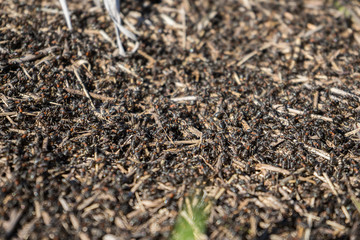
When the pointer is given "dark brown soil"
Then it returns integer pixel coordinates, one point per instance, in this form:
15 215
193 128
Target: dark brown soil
254 103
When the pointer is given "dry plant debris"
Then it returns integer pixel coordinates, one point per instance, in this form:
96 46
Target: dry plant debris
256 103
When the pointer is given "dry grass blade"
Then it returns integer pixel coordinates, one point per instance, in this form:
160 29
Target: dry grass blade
66 13
113 8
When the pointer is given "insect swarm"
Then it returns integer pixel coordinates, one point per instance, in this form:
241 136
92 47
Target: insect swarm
254 109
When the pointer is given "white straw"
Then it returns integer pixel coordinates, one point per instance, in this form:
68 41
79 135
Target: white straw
113 9
66 13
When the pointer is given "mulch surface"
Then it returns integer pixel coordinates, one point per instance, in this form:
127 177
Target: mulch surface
255 104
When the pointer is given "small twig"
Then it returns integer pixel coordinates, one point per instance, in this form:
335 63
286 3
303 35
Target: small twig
147 56
207 163
307 232
26 72
272 168
10 225
7 116
312 31
280 108
316 100
181 142
37 55
141 205
21 131
318 152
4 114
343 93
125 69
84 88
101 33
332 187
158 122
356 130
336 225
93 95
353 198
186 98
253 53
245 125
138 183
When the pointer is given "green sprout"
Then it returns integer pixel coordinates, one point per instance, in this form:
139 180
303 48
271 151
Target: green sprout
192 220
346 10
